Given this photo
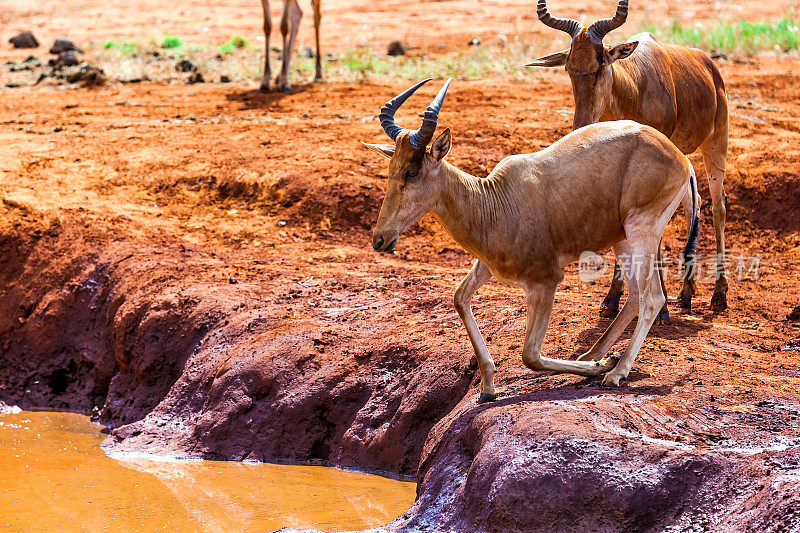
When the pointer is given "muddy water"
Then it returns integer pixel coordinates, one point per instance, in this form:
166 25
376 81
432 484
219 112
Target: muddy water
55 477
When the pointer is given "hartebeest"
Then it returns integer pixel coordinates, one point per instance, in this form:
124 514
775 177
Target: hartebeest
677 90
610 184
290 22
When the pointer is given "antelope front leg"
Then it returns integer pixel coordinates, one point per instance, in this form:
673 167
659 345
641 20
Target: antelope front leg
477 276
290 22
540 306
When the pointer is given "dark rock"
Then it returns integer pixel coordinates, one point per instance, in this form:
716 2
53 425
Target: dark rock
224 79
67 58
795 314
196 77
62 44
185 66
86 74
307 51
396 48
24 40
32 59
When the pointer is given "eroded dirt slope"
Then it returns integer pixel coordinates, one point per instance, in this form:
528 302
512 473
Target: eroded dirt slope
194 264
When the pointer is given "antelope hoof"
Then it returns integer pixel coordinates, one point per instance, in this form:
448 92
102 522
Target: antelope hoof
264 87
282 84
486 398
719 302
663 318
607 311
612 379
685 301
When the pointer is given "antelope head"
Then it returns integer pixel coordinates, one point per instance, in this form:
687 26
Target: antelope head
414 178
587 60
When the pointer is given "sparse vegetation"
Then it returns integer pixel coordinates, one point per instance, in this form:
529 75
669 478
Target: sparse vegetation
739 37
501 56
123 47
171 41
234 43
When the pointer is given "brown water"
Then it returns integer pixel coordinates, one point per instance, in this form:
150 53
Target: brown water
55 477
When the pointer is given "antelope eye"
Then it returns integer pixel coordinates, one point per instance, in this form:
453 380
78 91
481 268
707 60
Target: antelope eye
412 173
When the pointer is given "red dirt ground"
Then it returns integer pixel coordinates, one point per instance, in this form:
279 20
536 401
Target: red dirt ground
127 211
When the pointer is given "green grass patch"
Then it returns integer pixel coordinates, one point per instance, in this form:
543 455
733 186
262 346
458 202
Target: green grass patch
123 47
740 37
171 42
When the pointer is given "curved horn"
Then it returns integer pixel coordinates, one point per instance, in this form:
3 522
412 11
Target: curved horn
388 110
599 29
421 137
571 26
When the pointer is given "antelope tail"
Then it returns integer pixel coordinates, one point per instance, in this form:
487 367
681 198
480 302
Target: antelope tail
694 227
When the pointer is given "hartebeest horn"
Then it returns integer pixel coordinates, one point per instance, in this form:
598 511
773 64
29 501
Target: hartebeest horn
571 26
599 29
421 137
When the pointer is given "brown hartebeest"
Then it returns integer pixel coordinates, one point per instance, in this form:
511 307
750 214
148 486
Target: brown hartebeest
677 90
290 22
610 184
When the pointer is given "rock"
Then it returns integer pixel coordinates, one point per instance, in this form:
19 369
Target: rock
87 75
581 460
396 48
24 40
307 51
224 79
475 42
62 44
185 66
196 77
67 58
795 314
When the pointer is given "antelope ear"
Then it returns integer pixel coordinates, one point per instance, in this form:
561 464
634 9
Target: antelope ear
553 60
441 146
386 150
621 51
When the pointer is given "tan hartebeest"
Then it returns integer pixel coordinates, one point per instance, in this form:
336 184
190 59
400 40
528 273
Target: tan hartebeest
677 90
610 184
290 22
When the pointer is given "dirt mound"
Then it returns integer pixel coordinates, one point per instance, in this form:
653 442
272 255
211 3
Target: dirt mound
178 363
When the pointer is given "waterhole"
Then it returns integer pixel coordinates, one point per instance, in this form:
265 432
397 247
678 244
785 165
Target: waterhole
55 477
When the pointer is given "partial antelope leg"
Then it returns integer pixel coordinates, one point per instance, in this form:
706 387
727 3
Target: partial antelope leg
290 22
540 306
714 159
316 4
478 275
651 298
617 327
663 318
267 77
610 306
